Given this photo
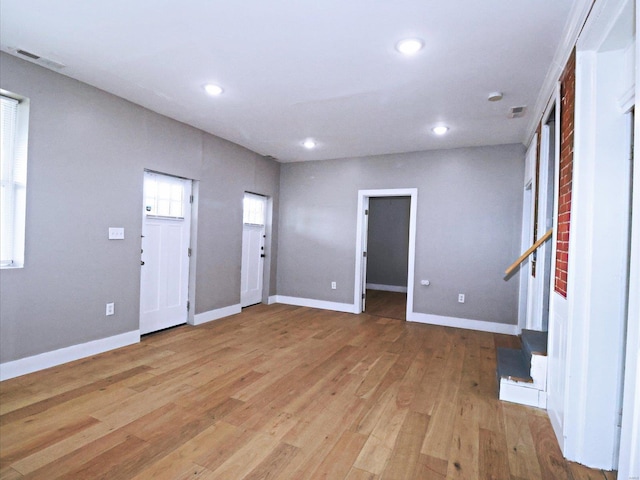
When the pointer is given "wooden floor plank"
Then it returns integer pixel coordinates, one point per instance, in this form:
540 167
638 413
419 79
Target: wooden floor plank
341 457
404 461
282 392
552 465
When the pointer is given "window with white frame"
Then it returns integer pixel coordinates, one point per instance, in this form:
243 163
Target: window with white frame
14 120
254 209
163 196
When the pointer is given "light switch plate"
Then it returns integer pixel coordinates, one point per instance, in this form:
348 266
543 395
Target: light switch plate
116 233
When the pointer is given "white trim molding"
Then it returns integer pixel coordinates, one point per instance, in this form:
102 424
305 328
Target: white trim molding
466 323
361 236
216 314
54 358
312 303
580 10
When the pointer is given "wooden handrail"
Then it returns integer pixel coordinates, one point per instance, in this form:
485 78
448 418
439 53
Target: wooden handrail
530 250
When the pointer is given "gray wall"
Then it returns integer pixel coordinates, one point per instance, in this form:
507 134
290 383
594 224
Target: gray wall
468 227
388 241
87 153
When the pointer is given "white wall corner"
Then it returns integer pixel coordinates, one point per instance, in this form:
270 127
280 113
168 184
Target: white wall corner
54 358
216 314
466 323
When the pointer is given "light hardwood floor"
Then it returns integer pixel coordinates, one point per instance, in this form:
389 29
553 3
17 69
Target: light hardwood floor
280 392
387 304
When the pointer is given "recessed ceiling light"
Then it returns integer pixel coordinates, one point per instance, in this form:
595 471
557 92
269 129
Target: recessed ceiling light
213 89
440 130
309 144
409 46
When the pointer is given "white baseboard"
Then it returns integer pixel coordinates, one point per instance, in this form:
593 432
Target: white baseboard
386 288
469 324
54 358
312 303
216 314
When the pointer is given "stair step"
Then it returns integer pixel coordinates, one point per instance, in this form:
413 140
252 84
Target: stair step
513 366
534 342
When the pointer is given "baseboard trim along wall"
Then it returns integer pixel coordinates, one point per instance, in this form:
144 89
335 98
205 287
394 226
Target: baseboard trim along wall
54 358
386 288
216 314
466 323
312 303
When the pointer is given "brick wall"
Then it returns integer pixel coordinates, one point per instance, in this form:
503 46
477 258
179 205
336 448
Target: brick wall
567 111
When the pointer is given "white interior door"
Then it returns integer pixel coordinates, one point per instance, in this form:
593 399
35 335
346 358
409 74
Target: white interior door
166 227
253 253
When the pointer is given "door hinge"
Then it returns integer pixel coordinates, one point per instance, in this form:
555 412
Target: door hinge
366 212
364 254
190 198
364 295
188 252
188 305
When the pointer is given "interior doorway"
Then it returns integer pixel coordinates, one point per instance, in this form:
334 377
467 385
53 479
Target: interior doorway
387 256
541 266
367 198
165 250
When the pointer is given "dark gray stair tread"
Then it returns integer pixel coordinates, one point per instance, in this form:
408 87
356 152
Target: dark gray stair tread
512 365
534 342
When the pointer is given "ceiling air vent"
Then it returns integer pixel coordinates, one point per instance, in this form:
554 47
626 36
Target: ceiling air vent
32 56
517 112
40 60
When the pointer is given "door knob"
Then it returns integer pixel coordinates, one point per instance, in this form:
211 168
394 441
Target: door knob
141 262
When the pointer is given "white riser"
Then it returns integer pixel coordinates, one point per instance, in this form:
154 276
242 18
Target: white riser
539 371
522 393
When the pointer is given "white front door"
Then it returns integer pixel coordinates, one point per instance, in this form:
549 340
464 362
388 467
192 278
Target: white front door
166 227
253 253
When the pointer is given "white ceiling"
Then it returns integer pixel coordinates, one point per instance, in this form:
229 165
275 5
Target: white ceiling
294 69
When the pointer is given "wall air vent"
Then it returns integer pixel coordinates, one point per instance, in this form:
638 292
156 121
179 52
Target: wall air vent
517 112
40 60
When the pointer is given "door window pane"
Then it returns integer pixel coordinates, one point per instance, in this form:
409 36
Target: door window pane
254 210
163 196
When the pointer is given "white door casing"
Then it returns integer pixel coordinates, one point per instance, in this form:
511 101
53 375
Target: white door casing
594 360
525 311
164 279
365 260
361 242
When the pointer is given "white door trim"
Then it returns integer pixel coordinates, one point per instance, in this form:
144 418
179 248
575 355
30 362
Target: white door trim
363 196
598 219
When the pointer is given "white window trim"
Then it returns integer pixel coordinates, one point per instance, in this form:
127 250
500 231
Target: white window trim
18 190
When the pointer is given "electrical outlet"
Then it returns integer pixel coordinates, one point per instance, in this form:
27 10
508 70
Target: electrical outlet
111 308
116 233
461 298
333 285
